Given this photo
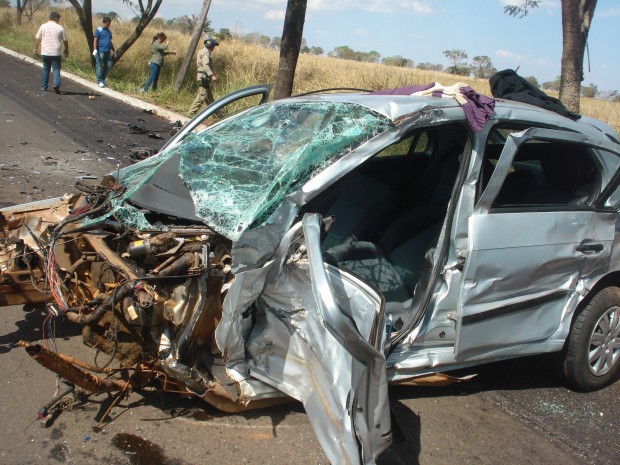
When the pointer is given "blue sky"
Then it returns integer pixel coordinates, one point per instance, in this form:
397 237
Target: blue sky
422 29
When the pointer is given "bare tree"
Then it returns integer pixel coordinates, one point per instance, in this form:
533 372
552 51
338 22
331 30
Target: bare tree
576 21
292 34
27 8
146 12
193 43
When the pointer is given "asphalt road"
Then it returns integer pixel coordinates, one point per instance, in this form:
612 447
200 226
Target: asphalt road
49 141
512 413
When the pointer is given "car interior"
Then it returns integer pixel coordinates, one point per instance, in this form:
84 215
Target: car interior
388 213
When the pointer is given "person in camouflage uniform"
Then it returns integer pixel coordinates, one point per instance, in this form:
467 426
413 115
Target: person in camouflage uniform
204 76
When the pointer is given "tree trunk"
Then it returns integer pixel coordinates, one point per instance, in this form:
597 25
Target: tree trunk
292 34
146 16
576 20
25 7
193 43
84 11
18 12
85 15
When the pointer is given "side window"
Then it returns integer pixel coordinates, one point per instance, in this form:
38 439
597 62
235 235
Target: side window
549 174
417 144
422 144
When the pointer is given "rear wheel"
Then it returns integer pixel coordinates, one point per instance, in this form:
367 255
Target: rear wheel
591 357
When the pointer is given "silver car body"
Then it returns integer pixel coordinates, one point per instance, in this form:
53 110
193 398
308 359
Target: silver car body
497 281
481 313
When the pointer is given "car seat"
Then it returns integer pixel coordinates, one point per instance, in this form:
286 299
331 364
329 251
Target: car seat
361 207
393 264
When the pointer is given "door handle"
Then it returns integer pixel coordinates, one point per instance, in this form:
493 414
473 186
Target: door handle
589 246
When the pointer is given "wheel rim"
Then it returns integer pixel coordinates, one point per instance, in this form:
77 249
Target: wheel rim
604 350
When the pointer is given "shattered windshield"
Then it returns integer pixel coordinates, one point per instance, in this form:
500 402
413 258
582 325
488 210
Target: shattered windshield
239 171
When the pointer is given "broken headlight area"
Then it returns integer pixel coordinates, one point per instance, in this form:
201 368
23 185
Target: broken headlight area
149 299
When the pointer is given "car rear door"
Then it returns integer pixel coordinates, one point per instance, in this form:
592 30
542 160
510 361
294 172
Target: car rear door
527 264
319 337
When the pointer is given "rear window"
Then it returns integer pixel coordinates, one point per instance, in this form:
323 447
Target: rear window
549 173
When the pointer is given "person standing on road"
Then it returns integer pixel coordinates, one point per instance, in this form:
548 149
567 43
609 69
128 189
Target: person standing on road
49 41
158 51
103 50
205 76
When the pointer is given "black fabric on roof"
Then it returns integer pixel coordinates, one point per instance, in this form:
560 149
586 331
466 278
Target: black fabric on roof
507 84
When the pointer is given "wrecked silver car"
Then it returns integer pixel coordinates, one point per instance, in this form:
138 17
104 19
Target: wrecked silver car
323 246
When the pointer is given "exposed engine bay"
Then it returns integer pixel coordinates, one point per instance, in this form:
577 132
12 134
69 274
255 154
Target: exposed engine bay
149 299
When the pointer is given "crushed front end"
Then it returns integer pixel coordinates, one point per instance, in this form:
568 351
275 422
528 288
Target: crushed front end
151 299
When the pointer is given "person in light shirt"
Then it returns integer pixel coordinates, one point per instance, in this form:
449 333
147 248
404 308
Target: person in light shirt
50 39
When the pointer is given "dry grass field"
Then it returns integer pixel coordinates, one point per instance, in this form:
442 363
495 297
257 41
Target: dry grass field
238 65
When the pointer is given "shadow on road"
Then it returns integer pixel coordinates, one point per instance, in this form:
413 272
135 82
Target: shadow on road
33 328
519 374
406 433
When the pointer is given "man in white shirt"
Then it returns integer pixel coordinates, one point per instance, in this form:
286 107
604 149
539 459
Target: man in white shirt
49 40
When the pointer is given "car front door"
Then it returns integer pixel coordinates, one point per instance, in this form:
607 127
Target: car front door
531 252
164 192
319 337
234 102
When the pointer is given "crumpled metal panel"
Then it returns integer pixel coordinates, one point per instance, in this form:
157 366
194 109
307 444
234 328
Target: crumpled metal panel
394 107
229 333
499 274
337 374
256 246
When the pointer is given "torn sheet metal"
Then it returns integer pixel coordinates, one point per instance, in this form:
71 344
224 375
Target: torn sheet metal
337 374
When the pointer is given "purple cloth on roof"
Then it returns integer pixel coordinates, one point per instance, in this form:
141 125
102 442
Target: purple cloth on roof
408 90
478 108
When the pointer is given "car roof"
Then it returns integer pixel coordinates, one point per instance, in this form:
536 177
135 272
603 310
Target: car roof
398 106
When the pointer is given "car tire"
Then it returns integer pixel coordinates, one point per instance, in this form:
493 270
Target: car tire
591 355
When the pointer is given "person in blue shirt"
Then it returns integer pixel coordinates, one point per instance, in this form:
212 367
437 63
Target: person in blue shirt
103 50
